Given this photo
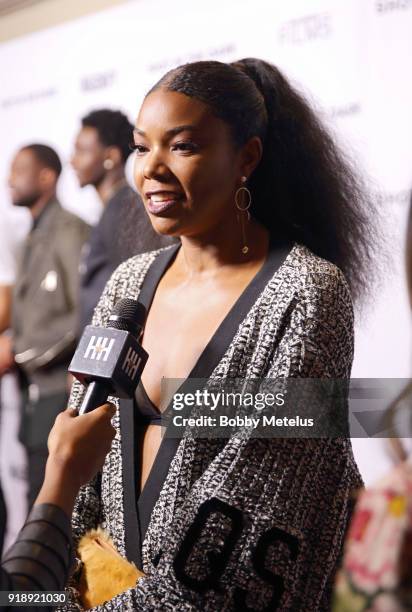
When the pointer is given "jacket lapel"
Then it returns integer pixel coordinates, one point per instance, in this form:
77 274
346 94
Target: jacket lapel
129 463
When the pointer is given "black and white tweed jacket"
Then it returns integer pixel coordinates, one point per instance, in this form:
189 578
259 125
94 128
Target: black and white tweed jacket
264 518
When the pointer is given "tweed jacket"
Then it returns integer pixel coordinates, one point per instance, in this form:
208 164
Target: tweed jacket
241 523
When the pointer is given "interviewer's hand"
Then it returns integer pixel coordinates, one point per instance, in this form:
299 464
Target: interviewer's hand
77 446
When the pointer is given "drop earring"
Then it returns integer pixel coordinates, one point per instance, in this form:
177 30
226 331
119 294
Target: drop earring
243 200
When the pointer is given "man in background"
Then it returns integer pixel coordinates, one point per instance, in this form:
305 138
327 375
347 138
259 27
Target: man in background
44 304
101 151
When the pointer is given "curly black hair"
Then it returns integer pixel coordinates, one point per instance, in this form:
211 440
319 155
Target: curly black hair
113 127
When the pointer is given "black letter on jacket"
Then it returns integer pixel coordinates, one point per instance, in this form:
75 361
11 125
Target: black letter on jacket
267 539
217 561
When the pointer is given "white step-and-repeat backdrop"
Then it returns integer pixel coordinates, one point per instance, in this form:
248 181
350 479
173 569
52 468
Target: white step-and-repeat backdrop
351 57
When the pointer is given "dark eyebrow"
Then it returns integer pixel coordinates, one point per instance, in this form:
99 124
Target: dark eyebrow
181 128
172 132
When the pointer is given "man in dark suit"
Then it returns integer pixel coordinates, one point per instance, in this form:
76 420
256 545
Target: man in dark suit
44 303
101 151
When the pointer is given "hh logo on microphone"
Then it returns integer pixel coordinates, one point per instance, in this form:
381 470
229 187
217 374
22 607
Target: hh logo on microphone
99 348
131 363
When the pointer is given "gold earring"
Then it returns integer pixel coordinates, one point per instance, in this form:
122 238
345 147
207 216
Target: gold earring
243 208
108 164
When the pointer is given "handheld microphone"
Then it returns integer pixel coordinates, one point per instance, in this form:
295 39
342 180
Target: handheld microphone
110 359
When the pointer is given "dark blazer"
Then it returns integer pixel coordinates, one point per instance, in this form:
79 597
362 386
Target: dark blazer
45 299
124 230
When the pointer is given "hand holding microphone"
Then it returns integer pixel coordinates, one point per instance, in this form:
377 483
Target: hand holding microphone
110 359
79 446
77 450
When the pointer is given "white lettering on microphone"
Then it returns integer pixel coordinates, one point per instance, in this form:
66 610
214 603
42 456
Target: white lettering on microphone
99 347
131 363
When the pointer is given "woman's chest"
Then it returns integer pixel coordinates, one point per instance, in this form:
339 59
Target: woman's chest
179 328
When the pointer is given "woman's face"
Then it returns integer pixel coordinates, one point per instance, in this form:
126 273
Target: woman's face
186 166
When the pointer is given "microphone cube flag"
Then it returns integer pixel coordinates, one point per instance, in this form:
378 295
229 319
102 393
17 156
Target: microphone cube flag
110 356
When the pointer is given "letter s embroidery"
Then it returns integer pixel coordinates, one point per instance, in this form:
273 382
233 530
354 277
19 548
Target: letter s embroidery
267 539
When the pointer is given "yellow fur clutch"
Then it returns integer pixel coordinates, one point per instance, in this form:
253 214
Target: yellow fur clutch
105 573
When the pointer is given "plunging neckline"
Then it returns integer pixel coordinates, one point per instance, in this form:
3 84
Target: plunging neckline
138 507
146 297
148 291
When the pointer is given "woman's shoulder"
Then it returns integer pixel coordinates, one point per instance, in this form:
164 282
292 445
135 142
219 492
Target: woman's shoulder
312 284
307 266
311 274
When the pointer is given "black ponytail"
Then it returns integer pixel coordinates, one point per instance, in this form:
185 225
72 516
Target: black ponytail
304 188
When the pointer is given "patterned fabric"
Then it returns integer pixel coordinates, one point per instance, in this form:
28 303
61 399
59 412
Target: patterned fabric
245 524
377 572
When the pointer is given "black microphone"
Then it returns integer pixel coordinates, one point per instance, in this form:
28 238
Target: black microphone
110 359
